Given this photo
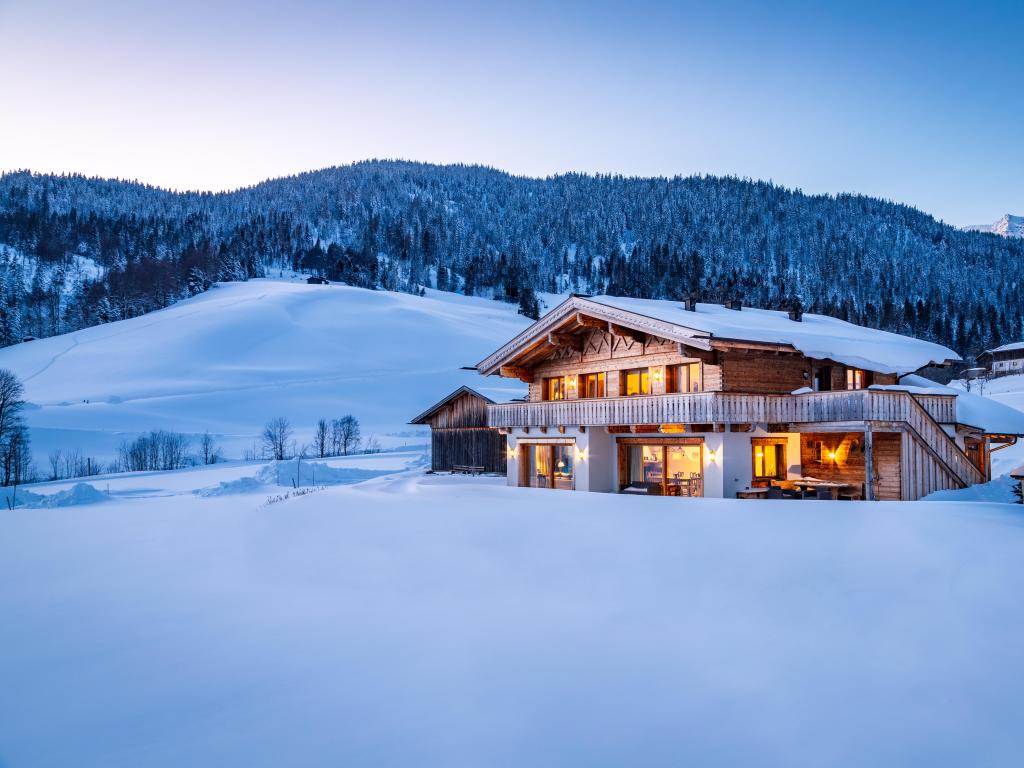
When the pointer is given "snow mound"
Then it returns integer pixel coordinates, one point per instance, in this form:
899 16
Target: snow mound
76 495
1000 490
299 472
293 473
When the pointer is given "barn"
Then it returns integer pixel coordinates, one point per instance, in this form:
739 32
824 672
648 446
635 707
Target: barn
459 435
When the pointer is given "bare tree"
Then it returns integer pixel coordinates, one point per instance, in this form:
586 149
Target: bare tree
348 434
209 451
322 438
15 458
160 450
277 437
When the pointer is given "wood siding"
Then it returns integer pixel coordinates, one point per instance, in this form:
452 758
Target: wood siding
750 371
464 411
470 446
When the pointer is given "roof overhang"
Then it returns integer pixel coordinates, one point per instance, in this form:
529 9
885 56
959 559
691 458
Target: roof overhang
577 313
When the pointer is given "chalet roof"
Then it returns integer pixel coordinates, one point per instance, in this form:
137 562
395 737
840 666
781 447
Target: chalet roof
817 336
1018 473
424 417
1013 347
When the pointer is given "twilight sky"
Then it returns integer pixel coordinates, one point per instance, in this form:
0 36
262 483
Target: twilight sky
922 103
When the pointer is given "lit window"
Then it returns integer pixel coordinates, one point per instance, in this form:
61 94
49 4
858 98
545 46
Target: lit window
769 461
554 388
855 378
636 382
592 385
684 378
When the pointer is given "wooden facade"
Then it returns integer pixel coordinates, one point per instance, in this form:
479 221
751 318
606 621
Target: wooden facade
460 435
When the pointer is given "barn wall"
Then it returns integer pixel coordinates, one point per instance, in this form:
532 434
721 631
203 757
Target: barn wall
469 446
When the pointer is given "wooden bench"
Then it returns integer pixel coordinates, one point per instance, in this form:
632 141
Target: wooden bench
465 469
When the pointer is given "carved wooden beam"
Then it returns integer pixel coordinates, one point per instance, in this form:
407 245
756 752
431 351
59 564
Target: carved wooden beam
525 375
629 333
590 322
570 340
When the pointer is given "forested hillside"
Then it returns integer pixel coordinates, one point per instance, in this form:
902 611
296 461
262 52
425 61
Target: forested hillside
76 251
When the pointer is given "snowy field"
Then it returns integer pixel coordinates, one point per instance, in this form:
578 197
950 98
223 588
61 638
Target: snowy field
231 359
431 620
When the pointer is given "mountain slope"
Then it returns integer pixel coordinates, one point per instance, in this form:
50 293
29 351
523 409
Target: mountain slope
242 353
1007 226
402 225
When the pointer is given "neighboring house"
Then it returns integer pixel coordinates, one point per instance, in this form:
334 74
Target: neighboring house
314 280
1004 360
659 397
459 435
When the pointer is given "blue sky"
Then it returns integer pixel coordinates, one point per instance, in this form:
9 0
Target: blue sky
915 102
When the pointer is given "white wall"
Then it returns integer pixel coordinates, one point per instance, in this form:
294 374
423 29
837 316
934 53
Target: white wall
597 470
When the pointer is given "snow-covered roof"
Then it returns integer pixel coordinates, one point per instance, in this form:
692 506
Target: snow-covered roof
1012 347
988 415
817 336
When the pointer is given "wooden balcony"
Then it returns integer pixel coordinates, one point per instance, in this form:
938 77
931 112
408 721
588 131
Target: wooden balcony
725 408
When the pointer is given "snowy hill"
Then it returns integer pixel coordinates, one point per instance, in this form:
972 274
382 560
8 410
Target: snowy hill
230 359
1008 226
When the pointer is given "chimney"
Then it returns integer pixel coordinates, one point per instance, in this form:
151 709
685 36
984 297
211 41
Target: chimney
796 312
734 304
690 302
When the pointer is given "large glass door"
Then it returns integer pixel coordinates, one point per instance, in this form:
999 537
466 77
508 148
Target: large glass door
663 468
550 466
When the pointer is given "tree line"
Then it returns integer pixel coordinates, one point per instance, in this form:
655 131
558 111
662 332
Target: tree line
76 251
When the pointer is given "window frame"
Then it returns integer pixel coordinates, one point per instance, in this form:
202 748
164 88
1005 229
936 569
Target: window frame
779 446
600 379
644 377
546 388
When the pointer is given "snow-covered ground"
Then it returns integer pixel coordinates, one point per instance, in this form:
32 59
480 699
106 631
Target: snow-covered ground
230 359
434 620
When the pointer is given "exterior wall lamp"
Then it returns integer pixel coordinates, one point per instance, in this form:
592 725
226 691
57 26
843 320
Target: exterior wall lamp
712 456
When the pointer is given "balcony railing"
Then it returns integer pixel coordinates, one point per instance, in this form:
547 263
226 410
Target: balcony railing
724 407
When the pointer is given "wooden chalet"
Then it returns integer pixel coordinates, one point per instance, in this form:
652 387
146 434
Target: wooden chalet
666 398
459 435
1005 360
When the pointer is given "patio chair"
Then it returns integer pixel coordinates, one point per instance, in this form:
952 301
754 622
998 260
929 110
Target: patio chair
774 492
823 494
854 493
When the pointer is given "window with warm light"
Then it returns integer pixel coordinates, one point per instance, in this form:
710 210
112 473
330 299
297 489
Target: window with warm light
554 388
856 378
685 377
635 382
592 385
769 461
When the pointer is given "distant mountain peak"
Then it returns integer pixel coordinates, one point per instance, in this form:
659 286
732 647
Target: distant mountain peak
1008 226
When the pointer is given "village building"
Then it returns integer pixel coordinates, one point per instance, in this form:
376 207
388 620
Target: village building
687 399
460 439
1004 360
